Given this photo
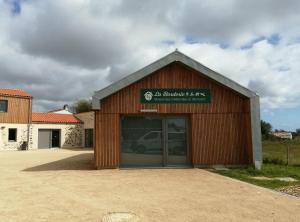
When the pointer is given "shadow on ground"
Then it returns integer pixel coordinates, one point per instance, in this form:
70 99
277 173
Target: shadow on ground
79 162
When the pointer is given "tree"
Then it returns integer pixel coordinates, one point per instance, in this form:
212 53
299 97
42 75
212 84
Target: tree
266 129
296 134
83 105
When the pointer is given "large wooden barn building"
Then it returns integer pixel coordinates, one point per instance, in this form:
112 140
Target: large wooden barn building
176 112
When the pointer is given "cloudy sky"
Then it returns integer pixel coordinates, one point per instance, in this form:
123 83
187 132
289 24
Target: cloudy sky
64 50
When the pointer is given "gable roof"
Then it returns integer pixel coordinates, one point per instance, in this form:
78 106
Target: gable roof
14 92
42 117
175 56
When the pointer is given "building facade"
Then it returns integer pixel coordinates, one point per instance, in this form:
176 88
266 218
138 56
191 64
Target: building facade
176 112
20 128
54 130
283 135
15 118
88 120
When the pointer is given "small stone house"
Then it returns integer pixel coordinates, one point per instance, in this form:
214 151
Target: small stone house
20 128
55 130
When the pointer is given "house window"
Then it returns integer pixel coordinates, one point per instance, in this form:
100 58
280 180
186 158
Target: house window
3 106
12 135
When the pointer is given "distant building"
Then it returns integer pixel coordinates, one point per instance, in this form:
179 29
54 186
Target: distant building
283 135
20 128
65 110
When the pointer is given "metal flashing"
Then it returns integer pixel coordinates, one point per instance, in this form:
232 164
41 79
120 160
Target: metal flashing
256 131
175 56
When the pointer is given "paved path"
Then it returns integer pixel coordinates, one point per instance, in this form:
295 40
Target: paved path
60 185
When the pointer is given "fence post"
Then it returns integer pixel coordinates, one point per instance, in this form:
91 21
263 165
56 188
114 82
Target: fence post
288 154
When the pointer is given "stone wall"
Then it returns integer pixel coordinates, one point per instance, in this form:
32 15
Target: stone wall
22 135
71 135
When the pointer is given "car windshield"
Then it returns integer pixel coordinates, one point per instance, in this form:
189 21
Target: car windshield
152 135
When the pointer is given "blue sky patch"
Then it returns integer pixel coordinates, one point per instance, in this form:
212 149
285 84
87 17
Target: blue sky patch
197 40
284 69
15 6
168 42
283 118
250 44
273 39
224 45
192 40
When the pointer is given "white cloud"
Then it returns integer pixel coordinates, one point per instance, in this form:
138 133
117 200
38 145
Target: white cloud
268 69
64 50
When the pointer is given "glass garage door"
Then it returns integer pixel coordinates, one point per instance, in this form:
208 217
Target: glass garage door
153 141
141 141
176 143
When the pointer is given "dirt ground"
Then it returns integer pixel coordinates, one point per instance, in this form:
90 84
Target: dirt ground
60 185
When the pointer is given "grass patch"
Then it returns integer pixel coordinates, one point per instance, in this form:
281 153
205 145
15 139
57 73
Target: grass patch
274 165
268 170
276 152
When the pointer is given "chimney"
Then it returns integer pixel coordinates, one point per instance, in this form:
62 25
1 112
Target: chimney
66 107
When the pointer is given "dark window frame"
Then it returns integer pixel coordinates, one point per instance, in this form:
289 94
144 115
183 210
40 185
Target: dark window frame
15 135
6 105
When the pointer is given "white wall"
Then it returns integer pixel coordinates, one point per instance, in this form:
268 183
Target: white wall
22 130
63 111
71 135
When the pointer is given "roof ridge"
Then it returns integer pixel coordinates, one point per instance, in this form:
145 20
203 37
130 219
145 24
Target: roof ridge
49 113
175 56
14 92
46 117
12 88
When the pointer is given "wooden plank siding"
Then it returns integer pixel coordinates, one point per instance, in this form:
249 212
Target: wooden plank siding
220 139
127 100
107 148
220 131
18 110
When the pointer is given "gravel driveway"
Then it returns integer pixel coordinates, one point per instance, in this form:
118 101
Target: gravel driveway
60 185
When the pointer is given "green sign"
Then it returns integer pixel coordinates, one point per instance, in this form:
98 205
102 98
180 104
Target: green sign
175 95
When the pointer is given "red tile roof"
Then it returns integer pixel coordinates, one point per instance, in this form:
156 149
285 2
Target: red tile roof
54 118
14 92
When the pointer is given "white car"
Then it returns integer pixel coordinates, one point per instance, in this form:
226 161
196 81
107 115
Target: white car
151 142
